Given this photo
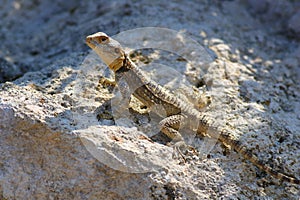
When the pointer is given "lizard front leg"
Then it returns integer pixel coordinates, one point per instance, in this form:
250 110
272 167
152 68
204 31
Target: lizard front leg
119 104
106 82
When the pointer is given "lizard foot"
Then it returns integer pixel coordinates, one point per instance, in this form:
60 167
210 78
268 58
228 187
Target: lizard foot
106 82
182 150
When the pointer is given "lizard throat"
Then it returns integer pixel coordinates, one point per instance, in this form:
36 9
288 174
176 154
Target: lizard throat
123 66
117 64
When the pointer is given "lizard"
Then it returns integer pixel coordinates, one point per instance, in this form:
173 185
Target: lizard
177 111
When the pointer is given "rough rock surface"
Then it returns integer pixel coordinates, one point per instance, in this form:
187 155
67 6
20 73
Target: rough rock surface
54 147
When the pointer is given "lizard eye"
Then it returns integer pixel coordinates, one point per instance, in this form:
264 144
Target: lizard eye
103 39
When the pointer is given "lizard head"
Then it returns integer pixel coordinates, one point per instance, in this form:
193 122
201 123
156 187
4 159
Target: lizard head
109 50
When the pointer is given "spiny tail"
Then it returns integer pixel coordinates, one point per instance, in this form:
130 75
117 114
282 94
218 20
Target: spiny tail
237 145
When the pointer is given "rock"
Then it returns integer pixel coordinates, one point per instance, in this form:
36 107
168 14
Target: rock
9 71
258 6
54 147
294 25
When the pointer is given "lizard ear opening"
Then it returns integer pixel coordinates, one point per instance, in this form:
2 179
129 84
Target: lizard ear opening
117 50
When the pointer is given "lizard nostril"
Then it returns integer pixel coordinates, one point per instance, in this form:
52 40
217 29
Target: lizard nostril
88 39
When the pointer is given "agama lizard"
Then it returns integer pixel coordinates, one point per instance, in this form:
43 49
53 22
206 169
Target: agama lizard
178 112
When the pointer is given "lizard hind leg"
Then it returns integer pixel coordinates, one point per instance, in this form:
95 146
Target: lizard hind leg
170 126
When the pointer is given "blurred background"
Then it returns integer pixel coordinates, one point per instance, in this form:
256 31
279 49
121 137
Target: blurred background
35 33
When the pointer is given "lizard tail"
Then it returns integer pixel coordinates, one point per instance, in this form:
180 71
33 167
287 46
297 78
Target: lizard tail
246 153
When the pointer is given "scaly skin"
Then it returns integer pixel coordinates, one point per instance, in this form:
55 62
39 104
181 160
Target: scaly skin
177 112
